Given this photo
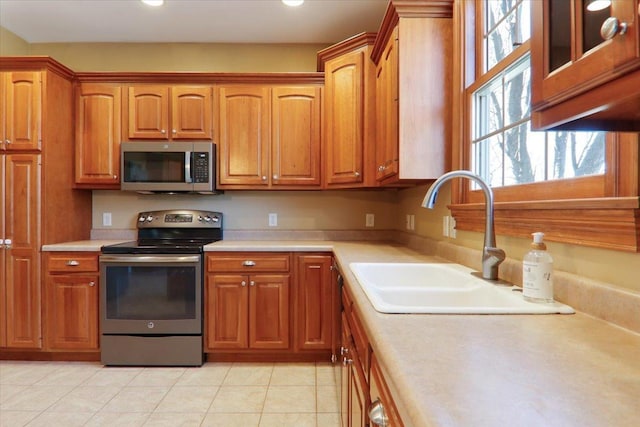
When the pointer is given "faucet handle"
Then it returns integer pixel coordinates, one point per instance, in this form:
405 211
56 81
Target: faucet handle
491 259
496 254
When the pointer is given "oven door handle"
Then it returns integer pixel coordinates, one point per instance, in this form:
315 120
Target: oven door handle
142 259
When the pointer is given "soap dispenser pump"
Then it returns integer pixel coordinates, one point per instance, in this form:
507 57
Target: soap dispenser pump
537 272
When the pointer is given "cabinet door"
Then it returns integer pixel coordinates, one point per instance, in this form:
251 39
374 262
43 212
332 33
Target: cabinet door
295 140
98 116
344 118
387 111
358 401
315 313
148 115
571 59
226 311
244 133
3 257
22 280
22 110
269 311
71 312
191 113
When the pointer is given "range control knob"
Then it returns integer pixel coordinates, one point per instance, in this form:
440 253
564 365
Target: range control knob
207 218
142 218
215 219
149 218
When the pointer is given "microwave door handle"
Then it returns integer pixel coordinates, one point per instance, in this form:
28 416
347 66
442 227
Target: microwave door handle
188 161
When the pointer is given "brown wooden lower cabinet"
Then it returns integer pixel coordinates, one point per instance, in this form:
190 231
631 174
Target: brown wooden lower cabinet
268 306
363 385
247 311
71 301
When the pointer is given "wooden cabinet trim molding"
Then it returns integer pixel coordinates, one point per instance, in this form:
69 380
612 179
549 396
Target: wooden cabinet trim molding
356 42
407 9
608 223
34 63
201 78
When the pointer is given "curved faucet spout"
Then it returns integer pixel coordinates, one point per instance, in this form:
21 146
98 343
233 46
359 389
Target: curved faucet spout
491 255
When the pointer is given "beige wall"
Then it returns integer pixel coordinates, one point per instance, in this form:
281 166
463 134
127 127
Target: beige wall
12 45
618 268
340 210
194 57
248 210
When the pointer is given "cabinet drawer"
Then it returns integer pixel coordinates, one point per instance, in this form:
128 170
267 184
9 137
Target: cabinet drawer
248 262
72 262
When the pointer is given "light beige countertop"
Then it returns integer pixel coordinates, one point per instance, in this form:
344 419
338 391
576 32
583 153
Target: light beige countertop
499 370
484 370
79 246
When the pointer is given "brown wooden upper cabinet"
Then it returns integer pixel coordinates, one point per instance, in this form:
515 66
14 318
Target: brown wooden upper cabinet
268 136
349 113
164 112
585 65
98 113
20 110
413 61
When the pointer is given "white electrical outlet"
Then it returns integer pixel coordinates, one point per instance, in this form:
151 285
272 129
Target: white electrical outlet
106 219
369 220
452 227
273 220
445 226
410 222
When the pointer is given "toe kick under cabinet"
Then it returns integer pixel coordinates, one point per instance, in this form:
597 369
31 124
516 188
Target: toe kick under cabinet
257 306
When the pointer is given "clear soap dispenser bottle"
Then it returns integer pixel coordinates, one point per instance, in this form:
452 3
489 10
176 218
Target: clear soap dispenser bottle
537 272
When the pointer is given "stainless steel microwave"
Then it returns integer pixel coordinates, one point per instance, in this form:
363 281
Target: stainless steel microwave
168 167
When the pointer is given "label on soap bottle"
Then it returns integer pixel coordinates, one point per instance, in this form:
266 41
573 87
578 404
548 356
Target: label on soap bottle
537 280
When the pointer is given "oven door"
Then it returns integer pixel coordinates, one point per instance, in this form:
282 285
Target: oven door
151 294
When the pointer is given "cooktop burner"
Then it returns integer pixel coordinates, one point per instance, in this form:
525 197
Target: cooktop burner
171 232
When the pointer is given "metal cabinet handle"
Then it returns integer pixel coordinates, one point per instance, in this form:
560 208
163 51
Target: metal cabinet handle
344 351
264 177
7 141
252 283
346 362
73 263
275 176
243 283
377 414
92 284
7 243
163 131
381 168
174 131
248 263
357 173
611 27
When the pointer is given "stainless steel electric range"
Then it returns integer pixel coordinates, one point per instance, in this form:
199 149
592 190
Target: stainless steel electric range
152 290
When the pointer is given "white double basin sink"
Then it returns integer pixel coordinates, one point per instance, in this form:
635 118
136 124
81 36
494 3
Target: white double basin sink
442 288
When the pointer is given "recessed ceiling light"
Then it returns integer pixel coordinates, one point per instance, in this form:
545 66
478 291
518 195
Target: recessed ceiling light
595 5
153 2
293 2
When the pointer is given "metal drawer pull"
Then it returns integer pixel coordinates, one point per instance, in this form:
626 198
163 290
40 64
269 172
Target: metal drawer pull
377 415
73 263
249 263
612 26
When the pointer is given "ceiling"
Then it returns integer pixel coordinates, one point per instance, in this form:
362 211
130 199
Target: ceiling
196 21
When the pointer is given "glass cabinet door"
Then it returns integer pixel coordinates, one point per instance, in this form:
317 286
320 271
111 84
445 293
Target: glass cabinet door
570 55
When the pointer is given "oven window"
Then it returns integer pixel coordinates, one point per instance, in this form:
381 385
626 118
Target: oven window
151 293
154 167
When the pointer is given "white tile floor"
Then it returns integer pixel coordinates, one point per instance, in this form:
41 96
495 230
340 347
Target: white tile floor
68 394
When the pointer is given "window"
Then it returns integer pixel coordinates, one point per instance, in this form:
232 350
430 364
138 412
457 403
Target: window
504 149
568 184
